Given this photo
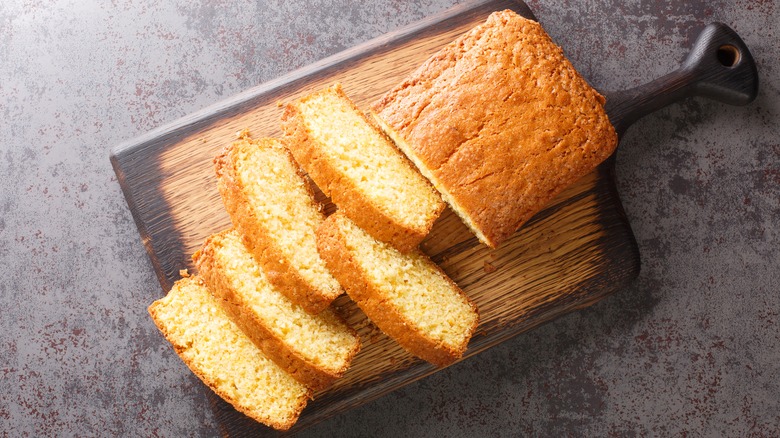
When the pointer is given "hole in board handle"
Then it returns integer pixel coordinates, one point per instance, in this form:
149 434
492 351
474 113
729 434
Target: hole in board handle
728 55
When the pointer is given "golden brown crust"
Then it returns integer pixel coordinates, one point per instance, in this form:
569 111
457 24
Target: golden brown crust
206 378
279 269
210 268
500 122
342 191
348 270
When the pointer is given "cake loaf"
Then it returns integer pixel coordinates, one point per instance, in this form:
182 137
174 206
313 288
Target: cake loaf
271 204
315 349
224 358
355 164
500 122
406 295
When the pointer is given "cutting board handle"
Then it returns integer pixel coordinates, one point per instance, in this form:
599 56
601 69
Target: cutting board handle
719 67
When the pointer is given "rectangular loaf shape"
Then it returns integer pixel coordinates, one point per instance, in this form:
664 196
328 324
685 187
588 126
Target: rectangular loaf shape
500 122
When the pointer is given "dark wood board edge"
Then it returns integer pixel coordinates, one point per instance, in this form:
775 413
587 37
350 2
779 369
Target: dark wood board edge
143 231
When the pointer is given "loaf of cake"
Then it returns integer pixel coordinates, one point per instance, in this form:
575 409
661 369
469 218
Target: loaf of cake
406 295
500 122
271 204
224 358
314 349
360 169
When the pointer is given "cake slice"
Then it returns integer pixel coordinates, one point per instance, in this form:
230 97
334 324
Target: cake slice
271 204
406 295
315 349
500 122
355 164
224 358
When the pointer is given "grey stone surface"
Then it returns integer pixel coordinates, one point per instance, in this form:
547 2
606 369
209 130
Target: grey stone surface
692 348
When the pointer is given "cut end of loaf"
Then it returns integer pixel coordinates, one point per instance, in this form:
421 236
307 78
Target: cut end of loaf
501 122
437 184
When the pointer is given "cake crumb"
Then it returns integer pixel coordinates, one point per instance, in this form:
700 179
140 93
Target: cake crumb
243 134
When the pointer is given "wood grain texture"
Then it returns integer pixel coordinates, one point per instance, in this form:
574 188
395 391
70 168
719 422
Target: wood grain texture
719 66
576 251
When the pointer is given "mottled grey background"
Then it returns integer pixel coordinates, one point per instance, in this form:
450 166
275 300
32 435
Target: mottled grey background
693 347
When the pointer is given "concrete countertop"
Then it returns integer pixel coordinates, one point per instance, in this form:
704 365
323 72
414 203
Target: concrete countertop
692 347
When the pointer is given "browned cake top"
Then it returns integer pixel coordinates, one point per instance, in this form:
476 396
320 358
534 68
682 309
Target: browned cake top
500 121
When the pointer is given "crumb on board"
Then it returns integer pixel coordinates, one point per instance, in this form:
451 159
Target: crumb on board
243 134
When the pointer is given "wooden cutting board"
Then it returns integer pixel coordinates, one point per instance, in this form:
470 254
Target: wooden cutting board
576 251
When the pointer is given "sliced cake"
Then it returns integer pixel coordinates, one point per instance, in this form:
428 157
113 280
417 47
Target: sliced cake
224 358
406 295
315 349
270 202
500 122
355 164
